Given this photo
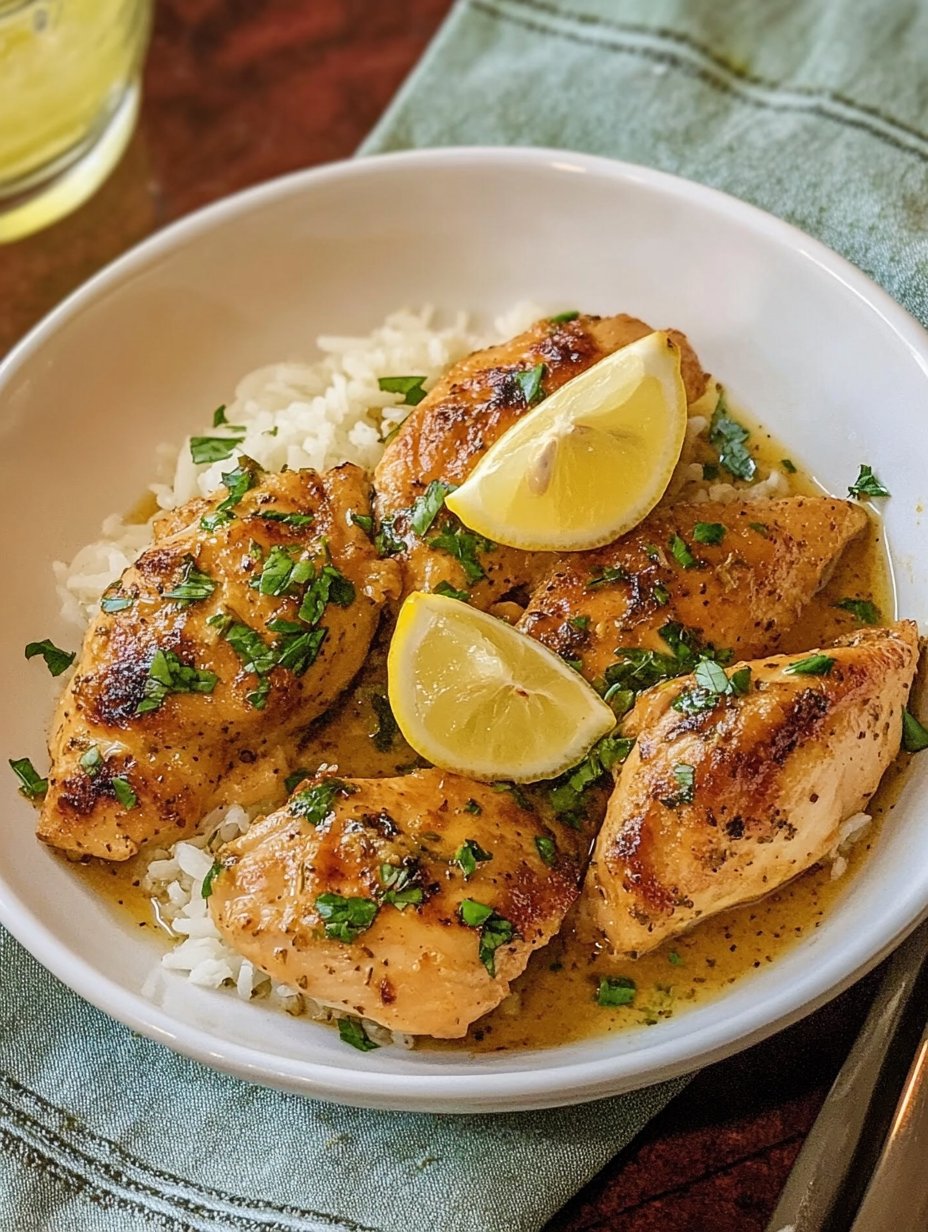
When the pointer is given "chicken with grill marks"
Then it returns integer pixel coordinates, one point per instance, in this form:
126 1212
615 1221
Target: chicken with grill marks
243 621
742 591
411 901
449 431
728 794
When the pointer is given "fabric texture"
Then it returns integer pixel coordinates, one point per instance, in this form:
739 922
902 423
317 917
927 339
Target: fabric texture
815 111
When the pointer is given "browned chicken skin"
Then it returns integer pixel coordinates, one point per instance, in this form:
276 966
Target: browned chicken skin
720 805
743 593
467 411
181 686
353 893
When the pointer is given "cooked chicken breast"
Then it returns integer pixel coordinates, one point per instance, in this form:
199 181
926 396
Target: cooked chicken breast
242 622
449 431
411 901
724 798
741 593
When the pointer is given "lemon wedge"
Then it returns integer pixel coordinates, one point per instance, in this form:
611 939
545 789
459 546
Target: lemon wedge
475 696
590 463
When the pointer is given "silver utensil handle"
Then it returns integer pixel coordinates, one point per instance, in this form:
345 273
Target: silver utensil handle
897 1196
822 1169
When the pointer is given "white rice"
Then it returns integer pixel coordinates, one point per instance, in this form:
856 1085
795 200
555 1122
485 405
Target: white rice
314 414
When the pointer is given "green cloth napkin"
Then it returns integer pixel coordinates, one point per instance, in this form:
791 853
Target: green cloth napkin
818 112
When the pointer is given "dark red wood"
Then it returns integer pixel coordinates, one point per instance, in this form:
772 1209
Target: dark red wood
237 91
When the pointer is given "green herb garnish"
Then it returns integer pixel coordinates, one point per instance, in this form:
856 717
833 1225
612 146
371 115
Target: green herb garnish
220 421
867 484
236 483
286 519
728 437
914 734
567 793
208 449
387 729
449 591
708 532
111 601
206 888
409 386
563 318
675 959
529 382
495 930
344 918
685 778
788 465
473 807
56 660
682 554
616 991
315 804
122 789
193 585
660 594
91 762
812 665
607 575
580 623
427 507
352 1032
864 610
166 675
761 528
363 520
712 684
464 545
330 586
386 541
32 785
295 779
546 849
469 855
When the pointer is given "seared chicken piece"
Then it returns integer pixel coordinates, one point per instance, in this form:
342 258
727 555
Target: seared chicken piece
450 430
411 901
242 622
723 799
741 594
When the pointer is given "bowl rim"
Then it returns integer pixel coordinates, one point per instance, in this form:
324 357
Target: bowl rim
519 1089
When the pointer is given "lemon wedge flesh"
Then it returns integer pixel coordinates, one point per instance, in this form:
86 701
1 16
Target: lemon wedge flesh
475 696
590 463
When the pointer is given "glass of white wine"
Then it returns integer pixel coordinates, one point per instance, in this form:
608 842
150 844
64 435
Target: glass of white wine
69 97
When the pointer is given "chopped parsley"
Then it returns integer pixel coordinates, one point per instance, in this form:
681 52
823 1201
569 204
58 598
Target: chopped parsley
618 990
914 734
205 450
450 592
251 648
220 421
727 438
563 318
386 731
166 675
761 528
529 381
867 484
286 519
660 594
469 855
206 888
812 665
344 919
297 648
295 779
708 532
122 789
56 660
607 575
91 762
111 601
709 471
426 508
637 669
352 1032
517 794
681 553
464 545
685 778
864 610
567 795
495 930
712 684
31 784
547 849
236 483
330 586
579 623
363 520
386 540
473 807
401 884
675 959
788 465
409 386
280 572
193 586
315 803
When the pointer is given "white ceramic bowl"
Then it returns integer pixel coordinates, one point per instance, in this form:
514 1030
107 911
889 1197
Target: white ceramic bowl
802 338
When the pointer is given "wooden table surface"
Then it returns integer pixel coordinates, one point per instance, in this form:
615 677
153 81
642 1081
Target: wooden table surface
237 91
